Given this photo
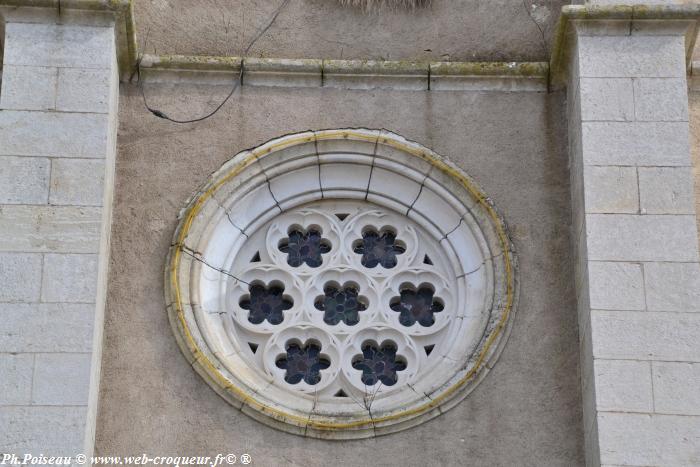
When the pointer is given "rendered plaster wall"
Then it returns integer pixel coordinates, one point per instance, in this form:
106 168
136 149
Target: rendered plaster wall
448 30
528 409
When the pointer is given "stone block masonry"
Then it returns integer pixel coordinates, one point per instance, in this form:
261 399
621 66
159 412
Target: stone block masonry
58 106
636 242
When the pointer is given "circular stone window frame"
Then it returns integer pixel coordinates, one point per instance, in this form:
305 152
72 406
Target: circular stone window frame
399 156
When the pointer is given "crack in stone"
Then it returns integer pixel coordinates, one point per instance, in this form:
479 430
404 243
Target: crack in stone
420 190
461 219
483 263
318 161
313 408
228 216
371 168
197 256
267 180
419 393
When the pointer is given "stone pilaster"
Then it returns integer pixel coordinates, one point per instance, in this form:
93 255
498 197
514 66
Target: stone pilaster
58 121
636 243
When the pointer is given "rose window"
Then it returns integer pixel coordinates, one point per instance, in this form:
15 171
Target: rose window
343 283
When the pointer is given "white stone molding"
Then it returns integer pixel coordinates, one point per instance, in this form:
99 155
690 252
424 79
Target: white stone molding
342 184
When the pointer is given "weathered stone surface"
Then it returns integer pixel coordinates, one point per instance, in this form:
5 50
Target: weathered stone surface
16 381
606 99
611 189
61 379
53 134
615 286
50 228
645 335
635 143
661 99
631 57
666 190
28 87
654 439
46 327
47 430
24 180
83 90
20 276
69 278
623 386
57 45
603 27
676 387
672 286
77 182
624 237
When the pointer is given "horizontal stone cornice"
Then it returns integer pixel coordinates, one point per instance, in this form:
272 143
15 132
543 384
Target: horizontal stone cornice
351 74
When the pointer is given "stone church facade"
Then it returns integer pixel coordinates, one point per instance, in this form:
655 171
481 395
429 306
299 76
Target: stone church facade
454 233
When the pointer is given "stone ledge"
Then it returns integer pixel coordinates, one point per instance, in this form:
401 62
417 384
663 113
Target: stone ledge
348 74
122 10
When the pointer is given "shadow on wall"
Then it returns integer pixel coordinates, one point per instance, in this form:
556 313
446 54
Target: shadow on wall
2 43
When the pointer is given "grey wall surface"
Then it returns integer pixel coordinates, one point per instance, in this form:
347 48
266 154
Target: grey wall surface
526 412
448 30
694 108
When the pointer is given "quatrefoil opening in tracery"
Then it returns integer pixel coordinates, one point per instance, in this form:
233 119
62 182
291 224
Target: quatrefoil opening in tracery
347 283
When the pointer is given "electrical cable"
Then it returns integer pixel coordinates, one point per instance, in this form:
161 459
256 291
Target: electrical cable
529 13
236 84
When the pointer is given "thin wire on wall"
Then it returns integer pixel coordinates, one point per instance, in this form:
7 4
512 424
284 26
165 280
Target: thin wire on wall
236 84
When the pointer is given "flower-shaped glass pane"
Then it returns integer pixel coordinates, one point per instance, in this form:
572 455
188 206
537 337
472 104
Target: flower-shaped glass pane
340 304
378 248
379 364
417 306
305 247
303 363
266 303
